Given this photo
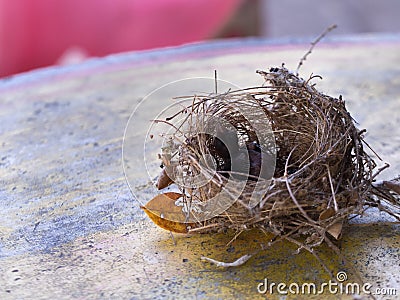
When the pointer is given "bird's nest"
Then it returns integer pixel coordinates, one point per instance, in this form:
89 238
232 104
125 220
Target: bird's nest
283 157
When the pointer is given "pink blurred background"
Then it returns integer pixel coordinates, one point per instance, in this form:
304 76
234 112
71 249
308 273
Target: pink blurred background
37 33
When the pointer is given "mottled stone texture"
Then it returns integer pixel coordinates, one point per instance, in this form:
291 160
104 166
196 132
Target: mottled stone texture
69 226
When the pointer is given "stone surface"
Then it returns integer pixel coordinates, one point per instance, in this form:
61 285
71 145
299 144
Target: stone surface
69 225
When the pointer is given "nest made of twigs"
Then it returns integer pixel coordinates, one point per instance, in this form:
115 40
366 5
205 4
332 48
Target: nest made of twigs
322 173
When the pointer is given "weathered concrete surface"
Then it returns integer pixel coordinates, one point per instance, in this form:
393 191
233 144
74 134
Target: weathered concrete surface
69 226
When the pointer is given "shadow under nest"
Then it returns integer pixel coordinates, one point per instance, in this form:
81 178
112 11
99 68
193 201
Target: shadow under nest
305 169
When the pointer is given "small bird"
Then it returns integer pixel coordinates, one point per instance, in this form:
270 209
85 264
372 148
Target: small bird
255 157
224 144
238 160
